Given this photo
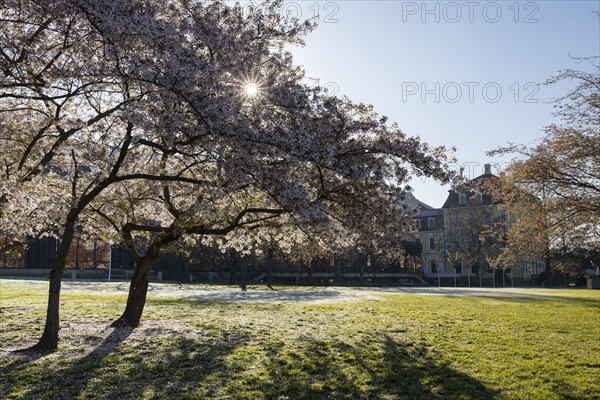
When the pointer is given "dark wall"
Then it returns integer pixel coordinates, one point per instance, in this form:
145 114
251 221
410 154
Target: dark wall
40 253
120 258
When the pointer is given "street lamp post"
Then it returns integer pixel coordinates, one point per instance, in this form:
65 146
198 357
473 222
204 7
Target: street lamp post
455 275
78 230
469 270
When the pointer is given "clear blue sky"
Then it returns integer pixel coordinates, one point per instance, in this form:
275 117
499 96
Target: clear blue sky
400 55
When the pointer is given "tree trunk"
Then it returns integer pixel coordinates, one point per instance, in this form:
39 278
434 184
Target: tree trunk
49 340
232 265
469 270
361 268
548 271
244 277
269 274
138 290
338 270
455 276
512 282
270 269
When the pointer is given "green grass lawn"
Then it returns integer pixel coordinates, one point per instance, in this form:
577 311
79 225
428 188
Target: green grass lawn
395 346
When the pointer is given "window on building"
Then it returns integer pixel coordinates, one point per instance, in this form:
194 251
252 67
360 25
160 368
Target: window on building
458 268
473 242
475 268
488 267
488 217
455 218
503 215
434 268
431 243
462 198
457 243
418 223
479 198
488 241
431 222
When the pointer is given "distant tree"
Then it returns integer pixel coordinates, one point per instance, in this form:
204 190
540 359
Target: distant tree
464 235
562 173
496 253
454 258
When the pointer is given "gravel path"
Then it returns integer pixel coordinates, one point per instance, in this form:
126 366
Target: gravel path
216 293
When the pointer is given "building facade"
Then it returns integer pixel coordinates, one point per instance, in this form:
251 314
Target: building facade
429 224
454 238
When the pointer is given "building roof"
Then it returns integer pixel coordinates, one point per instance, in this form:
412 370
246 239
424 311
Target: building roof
471 187
429 213
424 206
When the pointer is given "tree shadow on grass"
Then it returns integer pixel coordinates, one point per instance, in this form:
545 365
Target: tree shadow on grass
376 368
185 368
156 367
412 371
17 360
11 363
41 379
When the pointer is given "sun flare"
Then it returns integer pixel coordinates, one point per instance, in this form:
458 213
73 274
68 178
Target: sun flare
251 89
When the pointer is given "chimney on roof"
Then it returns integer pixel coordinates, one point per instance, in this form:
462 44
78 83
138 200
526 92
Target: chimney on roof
459 176
488 169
